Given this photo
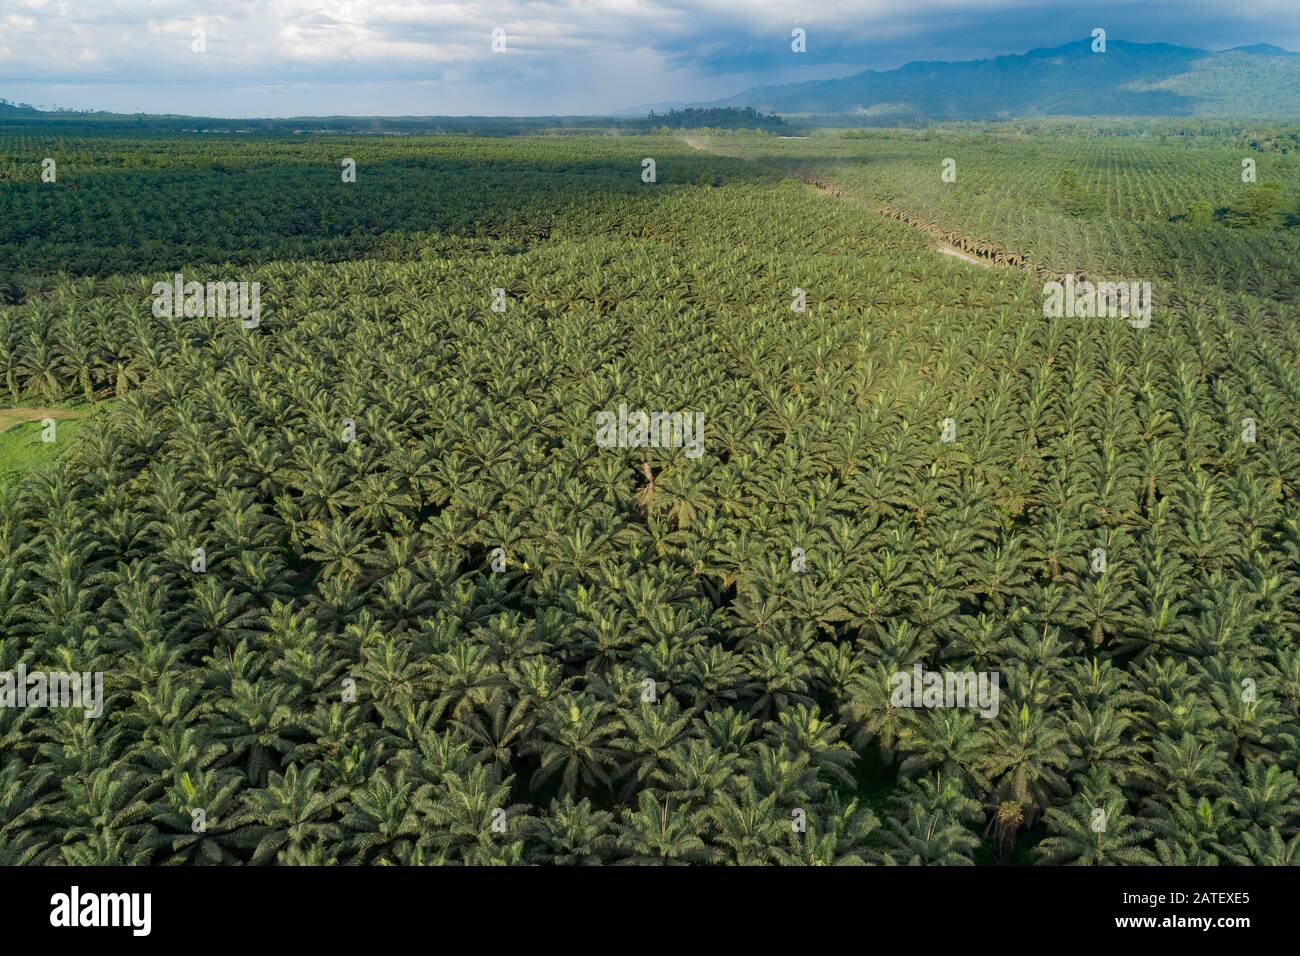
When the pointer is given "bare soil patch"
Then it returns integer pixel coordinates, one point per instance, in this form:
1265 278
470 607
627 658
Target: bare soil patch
948 250
9 417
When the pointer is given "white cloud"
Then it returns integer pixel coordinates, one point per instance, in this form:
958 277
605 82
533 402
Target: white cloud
562 55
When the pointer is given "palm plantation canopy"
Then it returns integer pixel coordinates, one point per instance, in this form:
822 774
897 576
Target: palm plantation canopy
364 588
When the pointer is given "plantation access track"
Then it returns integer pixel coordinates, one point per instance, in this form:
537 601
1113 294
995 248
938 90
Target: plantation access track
966 248
9 417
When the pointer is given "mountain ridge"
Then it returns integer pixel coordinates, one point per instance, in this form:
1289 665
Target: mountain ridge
1127 79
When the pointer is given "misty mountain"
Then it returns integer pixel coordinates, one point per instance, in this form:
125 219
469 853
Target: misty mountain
1128 79
1263 49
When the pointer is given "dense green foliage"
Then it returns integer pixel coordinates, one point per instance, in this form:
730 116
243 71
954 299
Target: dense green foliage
525 689
1162 201
121 206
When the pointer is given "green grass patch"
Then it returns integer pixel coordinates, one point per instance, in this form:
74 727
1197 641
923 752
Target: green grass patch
23 451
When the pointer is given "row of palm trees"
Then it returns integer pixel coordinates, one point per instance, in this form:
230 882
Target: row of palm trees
87 355
364 588
1126 214
123 205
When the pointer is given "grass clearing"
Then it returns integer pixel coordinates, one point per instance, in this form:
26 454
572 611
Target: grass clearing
22 448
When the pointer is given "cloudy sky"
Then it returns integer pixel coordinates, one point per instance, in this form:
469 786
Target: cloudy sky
423 57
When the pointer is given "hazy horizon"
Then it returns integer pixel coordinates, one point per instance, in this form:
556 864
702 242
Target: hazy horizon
561 57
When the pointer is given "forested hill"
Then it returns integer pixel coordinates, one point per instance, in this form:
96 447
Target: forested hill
1128 79
16 109
717 118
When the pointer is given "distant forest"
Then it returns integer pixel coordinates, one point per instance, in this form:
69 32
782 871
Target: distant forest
730 117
